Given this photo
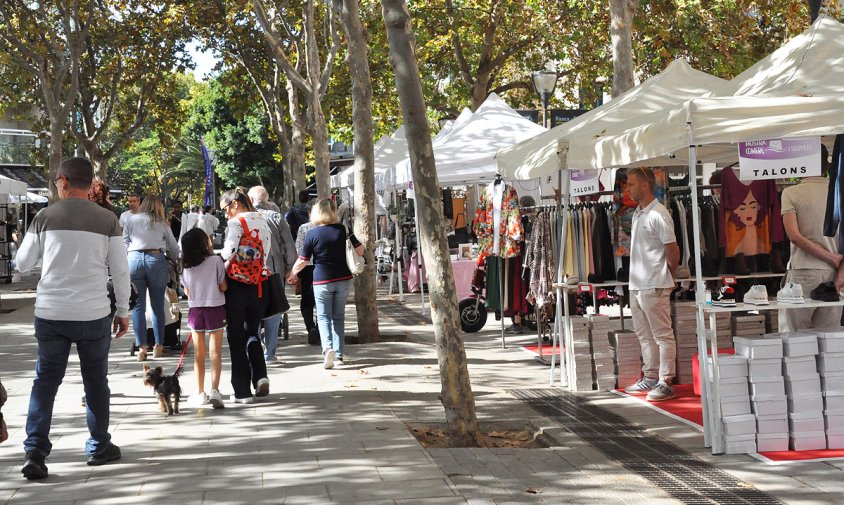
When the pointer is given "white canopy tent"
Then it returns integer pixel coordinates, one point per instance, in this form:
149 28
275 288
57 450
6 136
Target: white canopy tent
467 154
12 187
798 90
545 153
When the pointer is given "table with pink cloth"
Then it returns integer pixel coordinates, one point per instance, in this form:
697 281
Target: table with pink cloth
463 272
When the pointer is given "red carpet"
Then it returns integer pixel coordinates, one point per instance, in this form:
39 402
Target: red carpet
534 350
686 407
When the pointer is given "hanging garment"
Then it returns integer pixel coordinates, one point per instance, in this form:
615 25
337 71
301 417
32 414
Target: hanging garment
832 222
412 274
517 289
541 262
571 261
498 222
623 209
750 221
493 282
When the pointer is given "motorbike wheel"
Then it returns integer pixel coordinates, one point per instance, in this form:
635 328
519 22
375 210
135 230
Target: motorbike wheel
472 315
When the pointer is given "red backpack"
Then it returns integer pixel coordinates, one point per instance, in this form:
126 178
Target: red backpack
247 263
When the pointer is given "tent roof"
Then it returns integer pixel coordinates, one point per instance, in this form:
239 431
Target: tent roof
9 186
798 90
467 153
546 153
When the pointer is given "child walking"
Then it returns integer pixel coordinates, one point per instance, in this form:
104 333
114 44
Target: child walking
204 280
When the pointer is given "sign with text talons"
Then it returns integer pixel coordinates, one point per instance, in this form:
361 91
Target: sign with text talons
584 182
779 158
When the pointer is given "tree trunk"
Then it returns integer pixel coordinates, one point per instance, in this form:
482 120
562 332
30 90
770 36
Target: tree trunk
56 152
814 9
479 91
621 35
365 289
297 140
319 127
456 393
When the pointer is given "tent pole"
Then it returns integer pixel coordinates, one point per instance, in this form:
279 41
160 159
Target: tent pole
709 419
559 326
418 254
399 247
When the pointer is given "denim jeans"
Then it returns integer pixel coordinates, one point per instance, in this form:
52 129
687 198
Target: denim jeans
93 340
271 326
148 271
331 314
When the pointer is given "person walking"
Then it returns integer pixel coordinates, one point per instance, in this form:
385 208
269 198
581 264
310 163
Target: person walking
134 202
147 235
175 218
246 302
306 281
204 279
4 432
279 260
78 244
815 258
326 244
299 214
654 255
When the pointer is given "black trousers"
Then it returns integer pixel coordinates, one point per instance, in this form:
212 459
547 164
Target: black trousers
307 303
244 311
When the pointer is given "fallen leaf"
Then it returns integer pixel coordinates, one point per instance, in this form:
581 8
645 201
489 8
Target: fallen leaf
498 434
381 428
363 372
351 386
334 375
427 366
533 491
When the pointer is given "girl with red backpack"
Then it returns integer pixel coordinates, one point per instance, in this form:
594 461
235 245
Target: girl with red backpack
247 240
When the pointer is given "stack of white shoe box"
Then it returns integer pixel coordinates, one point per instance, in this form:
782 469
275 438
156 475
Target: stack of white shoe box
627 354
831 368
604 368
803 387
767 389
684 324
579 328
738 422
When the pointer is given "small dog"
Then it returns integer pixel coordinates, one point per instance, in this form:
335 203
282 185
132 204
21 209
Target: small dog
165 386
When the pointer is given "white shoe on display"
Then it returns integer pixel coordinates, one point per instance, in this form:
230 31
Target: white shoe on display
757 295
791 293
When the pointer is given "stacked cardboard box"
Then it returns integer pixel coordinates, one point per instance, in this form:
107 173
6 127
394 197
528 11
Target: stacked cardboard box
738 422
602 358
579 329
684 323
744 325
772 321
767 390
803 387
831 368
627 354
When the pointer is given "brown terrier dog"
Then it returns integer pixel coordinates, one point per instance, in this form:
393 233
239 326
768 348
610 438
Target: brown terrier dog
166 387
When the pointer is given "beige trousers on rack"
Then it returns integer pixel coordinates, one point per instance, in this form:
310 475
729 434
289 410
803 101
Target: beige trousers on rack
806 319
651 314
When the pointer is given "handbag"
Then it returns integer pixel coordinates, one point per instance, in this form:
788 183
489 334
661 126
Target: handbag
355 262
276 298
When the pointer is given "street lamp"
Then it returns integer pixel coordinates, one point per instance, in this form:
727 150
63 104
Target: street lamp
544 83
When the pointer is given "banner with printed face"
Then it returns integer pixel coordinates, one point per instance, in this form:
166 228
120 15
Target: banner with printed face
779 158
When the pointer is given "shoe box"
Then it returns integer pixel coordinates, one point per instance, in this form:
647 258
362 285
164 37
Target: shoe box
684 324
627 355
581 343
602 356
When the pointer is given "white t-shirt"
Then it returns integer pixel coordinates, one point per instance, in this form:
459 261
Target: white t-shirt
652 230
123 217
808 201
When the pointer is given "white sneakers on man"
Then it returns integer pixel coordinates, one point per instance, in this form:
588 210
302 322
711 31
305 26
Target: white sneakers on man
757 295
791 293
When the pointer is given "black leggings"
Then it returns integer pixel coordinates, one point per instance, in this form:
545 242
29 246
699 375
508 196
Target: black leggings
244 311
307 304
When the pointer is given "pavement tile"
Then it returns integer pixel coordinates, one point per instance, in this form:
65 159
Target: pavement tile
421 488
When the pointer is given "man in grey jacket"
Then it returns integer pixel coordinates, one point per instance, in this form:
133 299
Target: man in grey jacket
79 244
280 259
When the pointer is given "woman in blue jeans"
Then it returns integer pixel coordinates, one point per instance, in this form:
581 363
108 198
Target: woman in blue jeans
147 235
326 243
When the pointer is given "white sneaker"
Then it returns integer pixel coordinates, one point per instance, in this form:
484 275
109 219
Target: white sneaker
263 388
757 295
198 399
791 293
328 360
642 385
216 399
248 399
271 360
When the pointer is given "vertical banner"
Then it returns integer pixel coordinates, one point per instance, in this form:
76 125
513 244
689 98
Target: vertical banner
779 158
208 200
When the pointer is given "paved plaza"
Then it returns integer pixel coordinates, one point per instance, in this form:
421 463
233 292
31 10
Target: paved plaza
340 436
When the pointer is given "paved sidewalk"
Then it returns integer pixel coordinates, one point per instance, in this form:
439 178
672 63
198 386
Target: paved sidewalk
339 436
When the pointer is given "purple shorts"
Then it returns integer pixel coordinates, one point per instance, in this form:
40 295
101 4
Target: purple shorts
207 318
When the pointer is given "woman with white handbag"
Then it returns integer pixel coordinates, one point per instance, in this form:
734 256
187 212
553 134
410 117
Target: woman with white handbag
336 258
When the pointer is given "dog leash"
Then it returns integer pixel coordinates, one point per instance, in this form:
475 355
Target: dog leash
184 350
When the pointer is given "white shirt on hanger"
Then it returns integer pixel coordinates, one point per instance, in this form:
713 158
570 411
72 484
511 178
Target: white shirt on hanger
496 192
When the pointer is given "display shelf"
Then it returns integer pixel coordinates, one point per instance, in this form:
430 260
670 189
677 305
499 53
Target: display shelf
774 305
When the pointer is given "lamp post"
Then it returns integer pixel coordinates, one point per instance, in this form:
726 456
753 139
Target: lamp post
544 83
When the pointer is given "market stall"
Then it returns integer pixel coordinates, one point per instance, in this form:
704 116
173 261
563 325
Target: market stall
794 93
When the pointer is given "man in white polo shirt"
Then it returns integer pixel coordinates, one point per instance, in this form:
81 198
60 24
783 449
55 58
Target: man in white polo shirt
653 257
